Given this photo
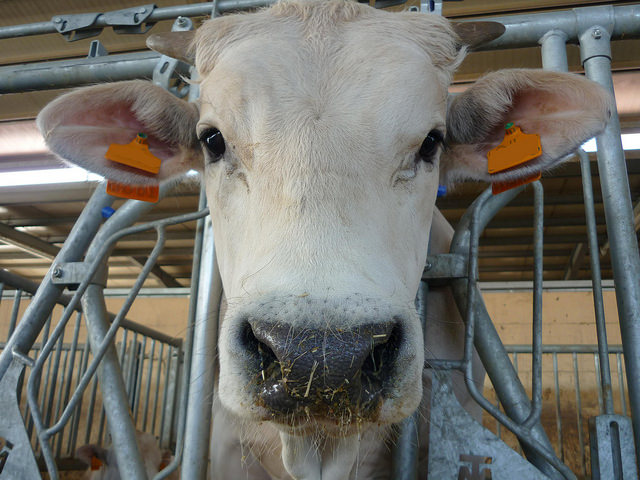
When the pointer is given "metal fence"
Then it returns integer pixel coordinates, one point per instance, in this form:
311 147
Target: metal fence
151 362
572 393
592 28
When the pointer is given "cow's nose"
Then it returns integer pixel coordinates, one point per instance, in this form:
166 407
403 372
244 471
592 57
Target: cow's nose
328 371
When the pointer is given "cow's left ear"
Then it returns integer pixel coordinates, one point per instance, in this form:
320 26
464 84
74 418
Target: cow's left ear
564 109
81 125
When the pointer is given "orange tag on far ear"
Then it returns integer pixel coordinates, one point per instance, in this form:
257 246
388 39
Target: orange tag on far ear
147 193
499 187
135 154
96 463
516 149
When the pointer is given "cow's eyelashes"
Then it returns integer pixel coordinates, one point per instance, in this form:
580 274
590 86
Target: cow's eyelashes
213 141
430 145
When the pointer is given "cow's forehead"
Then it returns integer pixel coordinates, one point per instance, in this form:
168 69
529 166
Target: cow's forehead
385 70
325 29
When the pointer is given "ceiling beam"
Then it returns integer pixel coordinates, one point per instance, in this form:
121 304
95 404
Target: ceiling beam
42 249
162 276
27 242
575 261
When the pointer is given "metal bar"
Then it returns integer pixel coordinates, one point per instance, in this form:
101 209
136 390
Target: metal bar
148 387
27 242
155 398
623 399
536 328
595 52
198 421
37 381
165 398
576 378
593 349
130 369
486 340
557 397
596 363
158 14
92 406
45 298
527 30
32 287
67 384
14 313
73 73
114 397
56 409
188 348
521 31
53 381
75 426
140 370
596 278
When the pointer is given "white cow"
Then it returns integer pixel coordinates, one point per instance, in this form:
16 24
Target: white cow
322 132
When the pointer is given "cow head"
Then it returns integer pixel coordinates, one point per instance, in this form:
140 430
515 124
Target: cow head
322 132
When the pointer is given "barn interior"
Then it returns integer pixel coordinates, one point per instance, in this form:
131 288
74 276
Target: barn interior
41 198
35 219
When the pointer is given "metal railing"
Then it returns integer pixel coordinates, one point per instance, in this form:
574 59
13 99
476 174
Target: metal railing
573 393
150 360
592 28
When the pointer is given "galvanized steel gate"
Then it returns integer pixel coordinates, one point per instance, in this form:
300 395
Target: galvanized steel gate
478 454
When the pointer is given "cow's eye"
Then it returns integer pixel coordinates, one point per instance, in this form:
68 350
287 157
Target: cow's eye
214 142
430 145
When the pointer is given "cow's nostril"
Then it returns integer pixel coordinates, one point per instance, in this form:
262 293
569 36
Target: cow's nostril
378 364
262 353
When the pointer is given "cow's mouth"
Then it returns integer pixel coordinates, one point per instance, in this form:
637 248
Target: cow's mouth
340 399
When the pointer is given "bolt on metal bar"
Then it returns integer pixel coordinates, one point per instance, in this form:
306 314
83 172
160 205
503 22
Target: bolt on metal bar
595 52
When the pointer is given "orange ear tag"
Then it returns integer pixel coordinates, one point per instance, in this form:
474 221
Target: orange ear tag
96 463
135 155
516 148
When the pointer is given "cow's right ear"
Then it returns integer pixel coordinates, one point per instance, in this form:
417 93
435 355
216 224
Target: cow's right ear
81 125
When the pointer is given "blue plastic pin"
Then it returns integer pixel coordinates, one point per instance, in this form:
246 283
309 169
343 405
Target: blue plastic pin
442 190
107 212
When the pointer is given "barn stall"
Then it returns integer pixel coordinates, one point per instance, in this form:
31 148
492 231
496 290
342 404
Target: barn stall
158 383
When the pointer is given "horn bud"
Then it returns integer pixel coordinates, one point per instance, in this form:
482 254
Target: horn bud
174 44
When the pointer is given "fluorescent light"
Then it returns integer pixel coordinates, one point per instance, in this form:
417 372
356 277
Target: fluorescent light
630 141
48 176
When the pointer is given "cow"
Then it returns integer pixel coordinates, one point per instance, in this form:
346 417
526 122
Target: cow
322 132
103 465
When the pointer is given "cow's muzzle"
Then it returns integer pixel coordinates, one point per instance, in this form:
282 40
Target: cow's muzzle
333 373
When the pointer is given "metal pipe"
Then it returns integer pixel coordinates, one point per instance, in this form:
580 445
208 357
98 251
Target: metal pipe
595 52
205 336
576 378
487 342
596 278
521 31
73 73
45 298
158 14
114 397
527 30
191 323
